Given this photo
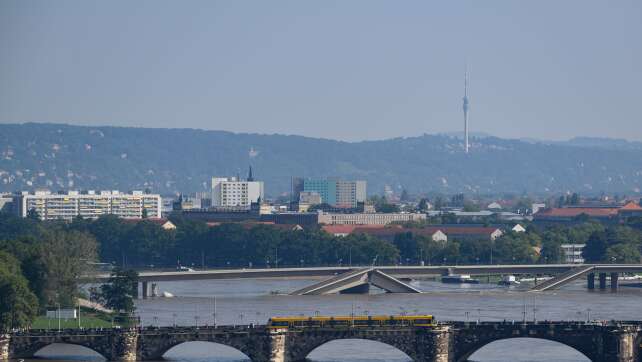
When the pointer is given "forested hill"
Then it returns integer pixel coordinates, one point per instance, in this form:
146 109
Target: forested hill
57 156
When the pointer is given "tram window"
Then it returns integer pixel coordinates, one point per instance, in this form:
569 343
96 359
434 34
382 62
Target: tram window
423 321
280 323
361 322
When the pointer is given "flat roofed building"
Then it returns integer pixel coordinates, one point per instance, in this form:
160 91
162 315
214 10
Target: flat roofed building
337 193
368 218
230 191
88 204
570 214
309 198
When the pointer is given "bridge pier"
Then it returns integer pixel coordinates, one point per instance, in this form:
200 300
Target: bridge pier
5 342
443 346
624 347
590 281
614 281
277 346
147 290
125 346
602 280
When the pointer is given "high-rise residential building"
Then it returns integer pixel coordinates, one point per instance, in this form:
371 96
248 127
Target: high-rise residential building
349 193
232 191
327 189
88 204
337 193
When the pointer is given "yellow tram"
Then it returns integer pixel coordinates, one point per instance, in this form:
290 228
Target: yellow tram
352 321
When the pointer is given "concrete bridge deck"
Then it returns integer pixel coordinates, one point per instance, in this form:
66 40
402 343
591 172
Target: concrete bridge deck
396 271
447 342
357 281
564 278
388 275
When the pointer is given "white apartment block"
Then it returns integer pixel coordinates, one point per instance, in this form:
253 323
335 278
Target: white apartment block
368 218
230 191
573 253
88 204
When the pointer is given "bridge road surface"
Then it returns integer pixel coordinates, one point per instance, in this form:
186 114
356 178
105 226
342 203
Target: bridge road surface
395 271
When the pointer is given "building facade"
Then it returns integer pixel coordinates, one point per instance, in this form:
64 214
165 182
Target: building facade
573 253
367 218
88 204
231 192
337 193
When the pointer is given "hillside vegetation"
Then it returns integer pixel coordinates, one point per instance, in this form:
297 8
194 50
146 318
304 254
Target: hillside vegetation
57 156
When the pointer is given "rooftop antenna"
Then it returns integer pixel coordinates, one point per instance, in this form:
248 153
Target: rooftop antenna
466 106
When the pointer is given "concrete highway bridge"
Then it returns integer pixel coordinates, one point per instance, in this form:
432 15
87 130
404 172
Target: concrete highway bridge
446 342
355 279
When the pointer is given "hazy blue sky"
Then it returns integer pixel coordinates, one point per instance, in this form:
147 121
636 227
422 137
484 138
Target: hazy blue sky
339 69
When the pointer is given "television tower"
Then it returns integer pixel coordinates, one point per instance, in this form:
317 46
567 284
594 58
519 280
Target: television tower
466 111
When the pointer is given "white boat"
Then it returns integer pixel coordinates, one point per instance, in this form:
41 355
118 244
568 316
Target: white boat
631 277
184 269
167 295
539 279
458 279
509 280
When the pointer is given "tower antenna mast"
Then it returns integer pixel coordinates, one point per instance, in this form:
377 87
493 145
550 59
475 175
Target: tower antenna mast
466 106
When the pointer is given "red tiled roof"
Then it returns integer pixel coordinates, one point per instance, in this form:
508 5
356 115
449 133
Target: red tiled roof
464 230
249 225
576 211
338 229
349 229
155 220
429 231
631 205
244 224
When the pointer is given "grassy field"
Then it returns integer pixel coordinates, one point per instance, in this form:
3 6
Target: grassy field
89 318
85 322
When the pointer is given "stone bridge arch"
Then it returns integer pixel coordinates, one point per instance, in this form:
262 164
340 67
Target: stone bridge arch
255 345
203 344
418 344
465 356
28 347
589 342
406 353
83 347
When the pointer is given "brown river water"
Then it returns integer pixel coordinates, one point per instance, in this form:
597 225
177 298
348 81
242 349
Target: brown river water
254 301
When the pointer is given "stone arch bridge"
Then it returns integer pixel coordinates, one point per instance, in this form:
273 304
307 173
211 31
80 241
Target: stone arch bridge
448 342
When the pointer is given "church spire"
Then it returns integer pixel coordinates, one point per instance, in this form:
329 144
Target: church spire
249 175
